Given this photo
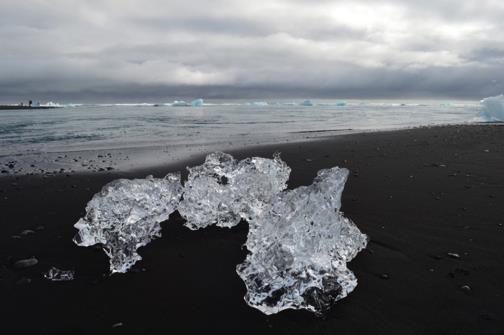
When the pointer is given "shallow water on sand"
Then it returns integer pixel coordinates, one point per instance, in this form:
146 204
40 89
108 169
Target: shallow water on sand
68 138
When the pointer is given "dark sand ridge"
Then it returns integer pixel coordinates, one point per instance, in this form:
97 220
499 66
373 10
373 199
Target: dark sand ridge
16 107
419 194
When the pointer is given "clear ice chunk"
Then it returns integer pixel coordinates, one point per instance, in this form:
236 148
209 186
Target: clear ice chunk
55 274
493 109
223 191
126 215
299 248
299 241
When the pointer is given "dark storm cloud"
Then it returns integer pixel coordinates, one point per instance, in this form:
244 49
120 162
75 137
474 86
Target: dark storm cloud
133 49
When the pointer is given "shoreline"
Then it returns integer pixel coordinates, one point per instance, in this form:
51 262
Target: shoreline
423 195
14 107
124 159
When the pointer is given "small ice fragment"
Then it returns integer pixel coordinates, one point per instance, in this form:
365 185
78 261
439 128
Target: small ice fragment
126 215
223 190
55 274
299 247
197 102
453 255
307 103
493 109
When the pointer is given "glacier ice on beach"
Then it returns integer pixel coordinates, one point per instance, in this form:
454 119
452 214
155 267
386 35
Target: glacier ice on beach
223 190
55 274
126 215
299 241
299 247
493 109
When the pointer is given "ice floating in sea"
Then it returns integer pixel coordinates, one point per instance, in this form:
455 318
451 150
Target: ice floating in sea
197 103
51 104
299 247
307 103
126 215
55 274
493 109
180 103
299 241
258 103
223 191
335 104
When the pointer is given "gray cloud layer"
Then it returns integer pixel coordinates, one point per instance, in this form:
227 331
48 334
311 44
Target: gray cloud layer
128 49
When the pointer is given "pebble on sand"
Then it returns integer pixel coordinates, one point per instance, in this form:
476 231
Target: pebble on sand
27 232
453 255
465 288
26 263
23 281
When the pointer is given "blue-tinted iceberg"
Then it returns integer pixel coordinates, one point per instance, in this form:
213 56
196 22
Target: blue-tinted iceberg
299 248
307 103
223 191
493 109
197 103
126 215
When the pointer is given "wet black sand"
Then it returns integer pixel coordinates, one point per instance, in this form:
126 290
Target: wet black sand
419 194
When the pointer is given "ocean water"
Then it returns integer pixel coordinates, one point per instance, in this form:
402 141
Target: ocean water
54 139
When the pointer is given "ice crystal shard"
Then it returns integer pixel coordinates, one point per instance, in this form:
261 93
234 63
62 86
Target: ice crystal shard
126 215
299 247
223 190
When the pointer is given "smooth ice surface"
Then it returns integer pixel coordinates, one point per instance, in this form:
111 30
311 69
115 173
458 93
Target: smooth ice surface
493 109
55 274
223 190
126 215
299 247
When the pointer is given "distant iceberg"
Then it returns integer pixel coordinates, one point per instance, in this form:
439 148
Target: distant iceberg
307 103
493 109
258 103
180 103
335 104
197 102
51 104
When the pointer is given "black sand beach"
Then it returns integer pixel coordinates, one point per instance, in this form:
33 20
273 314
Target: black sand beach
430 199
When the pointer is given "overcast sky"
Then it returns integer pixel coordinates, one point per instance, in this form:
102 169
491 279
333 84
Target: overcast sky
151 49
